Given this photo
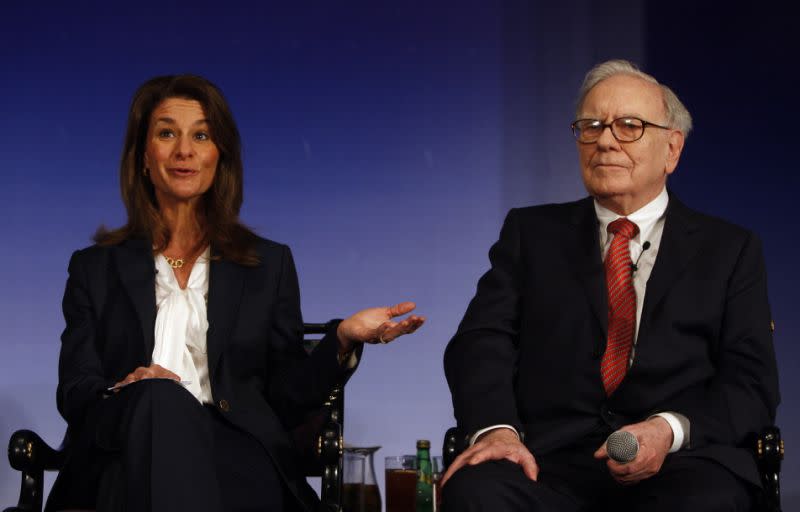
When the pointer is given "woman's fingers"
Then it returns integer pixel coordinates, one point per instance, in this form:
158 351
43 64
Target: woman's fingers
153 371
375 325
389 331
400 309
160 372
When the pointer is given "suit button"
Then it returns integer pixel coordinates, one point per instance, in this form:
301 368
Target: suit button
224 405
607 414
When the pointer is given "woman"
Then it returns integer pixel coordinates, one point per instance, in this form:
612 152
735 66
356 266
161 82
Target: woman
181 367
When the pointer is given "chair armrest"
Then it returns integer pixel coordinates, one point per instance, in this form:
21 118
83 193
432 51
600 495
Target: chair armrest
454 443
326 428
29 454
330 450
768 450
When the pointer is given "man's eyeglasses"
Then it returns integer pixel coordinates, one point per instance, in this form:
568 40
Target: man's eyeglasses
624 129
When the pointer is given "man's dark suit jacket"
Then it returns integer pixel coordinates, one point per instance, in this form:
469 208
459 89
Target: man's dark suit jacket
527 352
261 378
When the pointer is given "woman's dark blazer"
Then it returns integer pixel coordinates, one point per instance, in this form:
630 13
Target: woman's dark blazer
261 378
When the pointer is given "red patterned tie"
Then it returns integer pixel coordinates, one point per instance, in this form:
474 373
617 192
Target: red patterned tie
621 304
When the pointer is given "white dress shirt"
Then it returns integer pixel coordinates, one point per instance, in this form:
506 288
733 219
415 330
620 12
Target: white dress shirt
181 325
650 220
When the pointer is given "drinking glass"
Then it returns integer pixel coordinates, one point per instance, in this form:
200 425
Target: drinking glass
401 483
438 468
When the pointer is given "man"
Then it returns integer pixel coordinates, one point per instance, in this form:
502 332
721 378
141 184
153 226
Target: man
625 310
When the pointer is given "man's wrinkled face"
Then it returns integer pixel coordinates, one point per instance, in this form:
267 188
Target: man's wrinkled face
627 175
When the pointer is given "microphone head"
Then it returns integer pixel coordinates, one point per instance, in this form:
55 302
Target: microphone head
622 446
645 245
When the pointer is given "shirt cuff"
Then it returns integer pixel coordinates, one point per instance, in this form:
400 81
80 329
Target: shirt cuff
678 435
482 431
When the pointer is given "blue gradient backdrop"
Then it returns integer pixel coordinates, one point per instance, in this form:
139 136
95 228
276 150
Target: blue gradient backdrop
384 142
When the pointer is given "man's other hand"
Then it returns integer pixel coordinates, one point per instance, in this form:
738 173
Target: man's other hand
655 440
501 443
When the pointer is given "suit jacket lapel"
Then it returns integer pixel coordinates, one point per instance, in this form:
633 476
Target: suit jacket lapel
224 295
584 252
136 267
678 246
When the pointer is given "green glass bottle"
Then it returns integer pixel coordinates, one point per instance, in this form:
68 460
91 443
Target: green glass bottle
424 477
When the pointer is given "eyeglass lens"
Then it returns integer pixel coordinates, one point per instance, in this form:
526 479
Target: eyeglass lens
624 129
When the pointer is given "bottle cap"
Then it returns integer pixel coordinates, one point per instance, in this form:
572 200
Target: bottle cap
423 444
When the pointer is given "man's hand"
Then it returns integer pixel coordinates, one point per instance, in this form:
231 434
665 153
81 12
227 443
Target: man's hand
501 443
655 440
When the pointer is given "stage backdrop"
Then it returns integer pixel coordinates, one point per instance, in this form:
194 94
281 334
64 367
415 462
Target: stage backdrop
384 143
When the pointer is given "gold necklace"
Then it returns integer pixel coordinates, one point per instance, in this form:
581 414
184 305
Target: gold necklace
174 262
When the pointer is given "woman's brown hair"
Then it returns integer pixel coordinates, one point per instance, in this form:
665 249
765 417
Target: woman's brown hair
228 237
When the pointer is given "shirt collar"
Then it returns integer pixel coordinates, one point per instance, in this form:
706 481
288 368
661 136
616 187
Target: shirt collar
645 217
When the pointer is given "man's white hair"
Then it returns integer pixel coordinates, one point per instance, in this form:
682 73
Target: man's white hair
677 115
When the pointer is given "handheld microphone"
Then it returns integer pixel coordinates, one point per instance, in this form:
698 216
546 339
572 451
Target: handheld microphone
645 246
622 446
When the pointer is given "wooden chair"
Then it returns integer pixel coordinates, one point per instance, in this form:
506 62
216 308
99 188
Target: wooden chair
318 441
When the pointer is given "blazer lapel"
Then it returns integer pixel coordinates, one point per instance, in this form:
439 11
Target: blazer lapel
136 267
584 252
678 246
225 285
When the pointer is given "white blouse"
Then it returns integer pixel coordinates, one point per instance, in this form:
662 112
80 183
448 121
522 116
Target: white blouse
182 324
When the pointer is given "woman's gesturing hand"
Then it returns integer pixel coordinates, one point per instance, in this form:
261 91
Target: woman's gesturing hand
375 325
